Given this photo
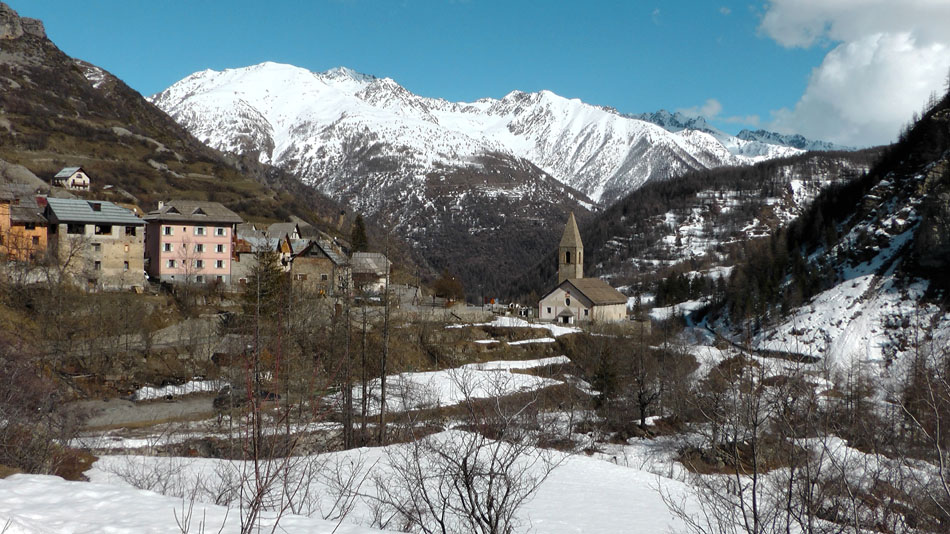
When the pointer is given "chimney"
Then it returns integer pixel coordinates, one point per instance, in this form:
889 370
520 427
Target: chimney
161 204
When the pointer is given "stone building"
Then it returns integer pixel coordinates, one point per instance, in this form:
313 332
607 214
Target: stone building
98 244
320 268
575 298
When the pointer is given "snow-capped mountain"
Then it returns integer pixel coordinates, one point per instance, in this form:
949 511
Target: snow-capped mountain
314 123
794 140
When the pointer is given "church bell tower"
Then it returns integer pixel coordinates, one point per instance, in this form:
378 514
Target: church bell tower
570 253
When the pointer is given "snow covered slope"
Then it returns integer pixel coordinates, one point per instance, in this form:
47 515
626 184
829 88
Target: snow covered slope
314 123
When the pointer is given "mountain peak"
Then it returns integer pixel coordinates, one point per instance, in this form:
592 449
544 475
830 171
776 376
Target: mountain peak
344 72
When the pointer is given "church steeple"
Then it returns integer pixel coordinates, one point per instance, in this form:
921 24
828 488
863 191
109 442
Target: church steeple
570 253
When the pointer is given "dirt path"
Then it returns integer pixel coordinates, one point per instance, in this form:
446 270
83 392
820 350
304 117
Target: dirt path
115 413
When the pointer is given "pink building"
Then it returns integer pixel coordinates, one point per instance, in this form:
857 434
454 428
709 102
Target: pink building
190 241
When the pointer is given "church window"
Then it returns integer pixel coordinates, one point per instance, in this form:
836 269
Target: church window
567 257
567 301
549 309
585 312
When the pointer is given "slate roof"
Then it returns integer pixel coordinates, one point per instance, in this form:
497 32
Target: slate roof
66 210
596 290
66 172
194 211
572 236
370 263
26 215
327 248
281 229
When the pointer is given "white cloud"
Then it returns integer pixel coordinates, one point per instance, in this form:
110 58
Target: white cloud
725 10
710 109
886 58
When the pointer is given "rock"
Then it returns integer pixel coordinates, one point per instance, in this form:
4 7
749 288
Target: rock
12 26
33 27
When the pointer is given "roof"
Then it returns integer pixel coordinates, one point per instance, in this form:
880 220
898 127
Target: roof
26 215
328 250
572 236
370 263
193 211
281 229
66 172
65 210
596 290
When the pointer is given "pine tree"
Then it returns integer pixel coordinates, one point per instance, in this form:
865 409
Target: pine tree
358 239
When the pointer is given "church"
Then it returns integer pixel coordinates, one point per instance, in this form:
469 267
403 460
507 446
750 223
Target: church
577 299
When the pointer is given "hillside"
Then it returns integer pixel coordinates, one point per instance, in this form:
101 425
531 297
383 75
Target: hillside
58 111
699 221
862 273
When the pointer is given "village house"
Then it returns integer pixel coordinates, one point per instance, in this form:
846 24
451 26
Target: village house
74 178
248 243
98 244
188 241
370 271
578 299
320 268
23 229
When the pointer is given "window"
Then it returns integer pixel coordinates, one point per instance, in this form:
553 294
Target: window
220 231
126 248
97 265
170 264
567 257
324 277
199 264
75 228
103 229
219 278
36 240
130 230
300 277
96 206
29 226
567 301
549 308
242 281
125 266
167 230
97 247
200 230
199 247
219 249
219 264
166 247
200 279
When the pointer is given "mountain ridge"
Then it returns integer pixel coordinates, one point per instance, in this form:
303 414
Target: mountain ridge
595 150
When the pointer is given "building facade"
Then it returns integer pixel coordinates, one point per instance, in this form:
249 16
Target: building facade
190 242
97 244
74 178
23 229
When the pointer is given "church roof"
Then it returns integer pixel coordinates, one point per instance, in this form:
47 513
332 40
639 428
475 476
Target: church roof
572 236
596 290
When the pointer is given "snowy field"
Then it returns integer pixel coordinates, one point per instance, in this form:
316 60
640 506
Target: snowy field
434 389
583 494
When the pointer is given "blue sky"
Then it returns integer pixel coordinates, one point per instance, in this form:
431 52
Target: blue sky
741 64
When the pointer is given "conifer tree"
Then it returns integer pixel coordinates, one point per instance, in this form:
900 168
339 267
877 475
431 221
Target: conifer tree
358 239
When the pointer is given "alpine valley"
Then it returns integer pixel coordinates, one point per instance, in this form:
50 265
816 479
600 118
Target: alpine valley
451 177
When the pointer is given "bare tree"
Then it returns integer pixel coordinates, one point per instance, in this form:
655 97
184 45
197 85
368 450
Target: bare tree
472 479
